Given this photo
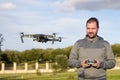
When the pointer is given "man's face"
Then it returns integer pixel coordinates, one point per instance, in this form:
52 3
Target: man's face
91 29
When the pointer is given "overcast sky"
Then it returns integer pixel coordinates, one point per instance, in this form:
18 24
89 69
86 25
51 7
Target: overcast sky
66 17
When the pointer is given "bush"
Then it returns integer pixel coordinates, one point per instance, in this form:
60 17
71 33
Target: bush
62 61
56 68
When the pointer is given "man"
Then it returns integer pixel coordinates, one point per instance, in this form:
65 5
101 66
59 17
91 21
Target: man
92 56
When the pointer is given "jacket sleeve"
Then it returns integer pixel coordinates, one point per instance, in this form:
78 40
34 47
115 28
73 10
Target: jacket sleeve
110 61
73 57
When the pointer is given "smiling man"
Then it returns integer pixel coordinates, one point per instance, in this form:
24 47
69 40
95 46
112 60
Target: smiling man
92 56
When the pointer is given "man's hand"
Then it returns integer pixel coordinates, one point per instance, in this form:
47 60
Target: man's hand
84 65
96 64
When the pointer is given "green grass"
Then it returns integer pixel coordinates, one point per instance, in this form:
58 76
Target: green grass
111 75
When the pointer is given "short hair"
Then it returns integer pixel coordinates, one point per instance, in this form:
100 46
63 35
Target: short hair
93 19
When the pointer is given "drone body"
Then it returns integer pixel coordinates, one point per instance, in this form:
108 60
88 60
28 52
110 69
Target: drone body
41 37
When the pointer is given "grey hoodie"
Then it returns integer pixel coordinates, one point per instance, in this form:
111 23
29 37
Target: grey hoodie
98 49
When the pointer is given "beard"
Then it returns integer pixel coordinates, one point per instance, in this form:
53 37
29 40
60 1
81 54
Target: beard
91 35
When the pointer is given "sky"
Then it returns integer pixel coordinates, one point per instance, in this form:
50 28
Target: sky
65 17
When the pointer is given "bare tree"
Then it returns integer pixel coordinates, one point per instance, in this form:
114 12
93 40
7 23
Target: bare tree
1 40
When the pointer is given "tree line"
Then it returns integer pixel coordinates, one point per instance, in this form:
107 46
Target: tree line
34 55
42 55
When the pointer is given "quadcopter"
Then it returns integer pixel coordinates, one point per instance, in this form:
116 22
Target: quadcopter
43 38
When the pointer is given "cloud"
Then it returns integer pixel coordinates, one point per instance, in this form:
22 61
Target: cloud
66 21
7 5
74 5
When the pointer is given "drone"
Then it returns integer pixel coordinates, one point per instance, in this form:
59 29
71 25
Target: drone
43 38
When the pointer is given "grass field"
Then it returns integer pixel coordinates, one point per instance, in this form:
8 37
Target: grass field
111 75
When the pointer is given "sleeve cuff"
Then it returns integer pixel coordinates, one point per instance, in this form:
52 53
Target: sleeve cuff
78 64
102 64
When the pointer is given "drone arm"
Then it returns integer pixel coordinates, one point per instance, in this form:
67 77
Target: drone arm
54 35
29 36
22 39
